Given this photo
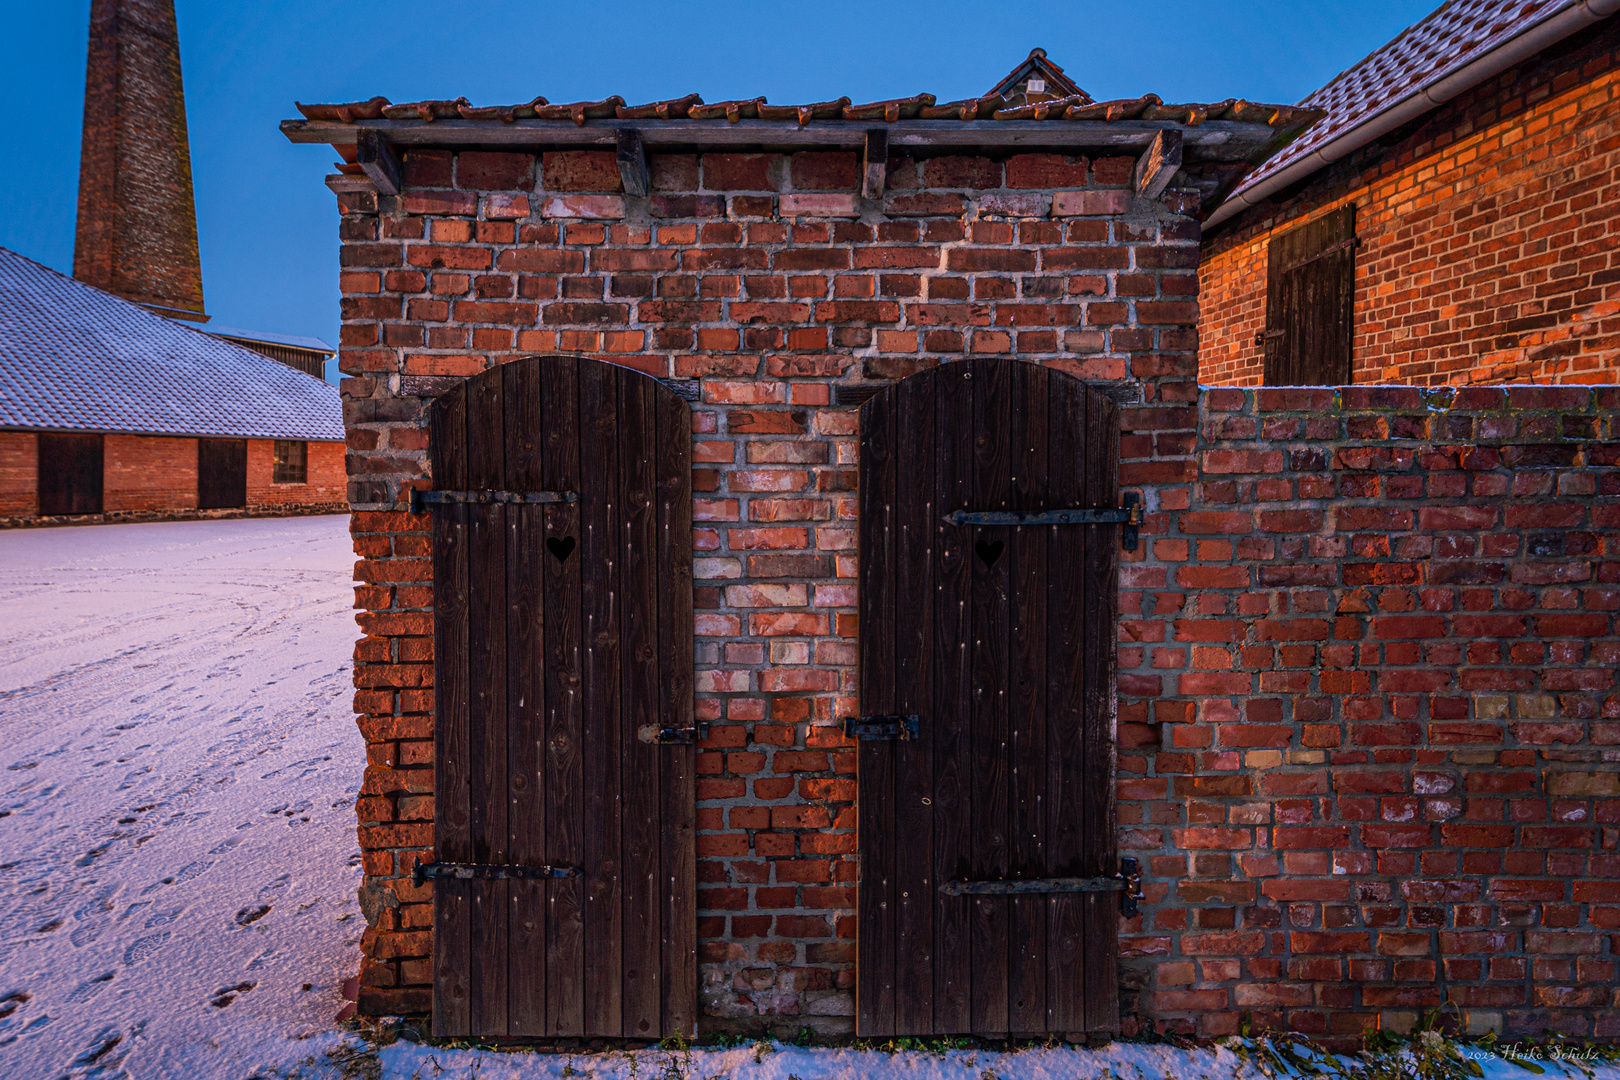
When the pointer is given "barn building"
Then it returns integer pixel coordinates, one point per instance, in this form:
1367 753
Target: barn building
1452 221
110 410
804 584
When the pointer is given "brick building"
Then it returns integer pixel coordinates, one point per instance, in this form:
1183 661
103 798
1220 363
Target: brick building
1450 222
1359 718
111 412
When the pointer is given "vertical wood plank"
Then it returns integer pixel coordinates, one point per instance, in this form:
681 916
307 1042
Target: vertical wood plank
638 621
991 491
1067 439
523 425
950 717
1101 600
1029 574
875 930
566 802
677 763
600 545
486 649
914 885
452 831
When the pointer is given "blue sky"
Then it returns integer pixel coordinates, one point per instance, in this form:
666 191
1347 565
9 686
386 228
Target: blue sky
268 226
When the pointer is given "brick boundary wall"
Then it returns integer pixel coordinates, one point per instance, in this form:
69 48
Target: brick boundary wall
1488 237
766 278
1369 720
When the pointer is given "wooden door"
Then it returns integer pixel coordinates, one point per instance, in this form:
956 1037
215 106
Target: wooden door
221 474
1000 640
70 474
1310 302
563 649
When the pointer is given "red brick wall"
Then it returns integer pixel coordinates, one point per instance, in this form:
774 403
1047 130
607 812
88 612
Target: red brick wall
1367 715
19 473
1369 719
144 472
767 278
326 479
1487 235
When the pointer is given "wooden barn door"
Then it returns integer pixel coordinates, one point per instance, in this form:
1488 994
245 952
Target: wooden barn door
70 474
565 893
221 473
999 639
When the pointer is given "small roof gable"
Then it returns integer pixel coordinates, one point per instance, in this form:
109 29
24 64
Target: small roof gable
74 358
1052 82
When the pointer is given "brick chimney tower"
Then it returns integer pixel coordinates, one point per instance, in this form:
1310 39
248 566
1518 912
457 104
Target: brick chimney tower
137 235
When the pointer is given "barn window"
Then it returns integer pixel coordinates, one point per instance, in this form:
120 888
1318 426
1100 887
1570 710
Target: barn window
291 462
1310 302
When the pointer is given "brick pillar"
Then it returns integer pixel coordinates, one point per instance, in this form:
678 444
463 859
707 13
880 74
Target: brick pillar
137 235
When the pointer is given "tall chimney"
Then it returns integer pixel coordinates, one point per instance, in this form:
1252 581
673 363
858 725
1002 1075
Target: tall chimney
137 233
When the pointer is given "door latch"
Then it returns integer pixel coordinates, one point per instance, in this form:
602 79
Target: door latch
882 727
653 733
1130 875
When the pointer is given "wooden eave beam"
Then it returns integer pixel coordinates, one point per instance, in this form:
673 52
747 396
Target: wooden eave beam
875 164
632 156
1158 164
1213 140
377 158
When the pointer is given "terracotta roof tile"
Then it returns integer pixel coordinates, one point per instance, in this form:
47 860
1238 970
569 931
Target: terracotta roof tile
1450 38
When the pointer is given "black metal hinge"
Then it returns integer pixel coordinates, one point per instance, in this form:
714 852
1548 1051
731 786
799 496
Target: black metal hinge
653 733
882 727
491 872
1128 515
1127 882
420 500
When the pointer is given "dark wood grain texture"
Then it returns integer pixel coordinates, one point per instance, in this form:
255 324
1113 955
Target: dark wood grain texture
1067 438
638 582
875 940
522 425
487 719
678 762
1101 915
452 827
914 886
988 704
1029 575
599 552
952 746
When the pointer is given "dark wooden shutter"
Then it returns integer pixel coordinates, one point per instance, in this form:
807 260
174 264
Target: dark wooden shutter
1310 302
1001 640
221 474
70 474
563 641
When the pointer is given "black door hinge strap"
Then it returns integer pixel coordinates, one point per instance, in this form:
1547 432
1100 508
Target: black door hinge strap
420 500
882 727
1128 515
491 872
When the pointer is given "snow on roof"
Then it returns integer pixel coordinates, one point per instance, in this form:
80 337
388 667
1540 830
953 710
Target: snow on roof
1446 40
291 341
75 358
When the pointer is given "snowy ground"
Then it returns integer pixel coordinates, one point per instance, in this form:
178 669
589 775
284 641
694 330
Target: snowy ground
177 779
177 852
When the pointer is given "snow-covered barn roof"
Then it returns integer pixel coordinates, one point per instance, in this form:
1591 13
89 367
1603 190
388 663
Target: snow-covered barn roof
74 358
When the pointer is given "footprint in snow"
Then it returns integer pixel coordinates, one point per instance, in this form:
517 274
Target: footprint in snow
248 916
228 994
54 924
88 990
13 1001
144 947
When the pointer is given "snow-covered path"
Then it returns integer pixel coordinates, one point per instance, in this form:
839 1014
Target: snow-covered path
178 770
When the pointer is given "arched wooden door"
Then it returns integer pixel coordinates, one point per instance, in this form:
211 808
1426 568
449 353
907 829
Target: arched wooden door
999 640
564 877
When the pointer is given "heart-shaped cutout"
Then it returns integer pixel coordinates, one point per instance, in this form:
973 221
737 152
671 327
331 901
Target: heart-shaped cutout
989 550
561 547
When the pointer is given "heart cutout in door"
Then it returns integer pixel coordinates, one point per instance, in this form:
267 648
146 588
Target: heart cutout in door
989 551
562 548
